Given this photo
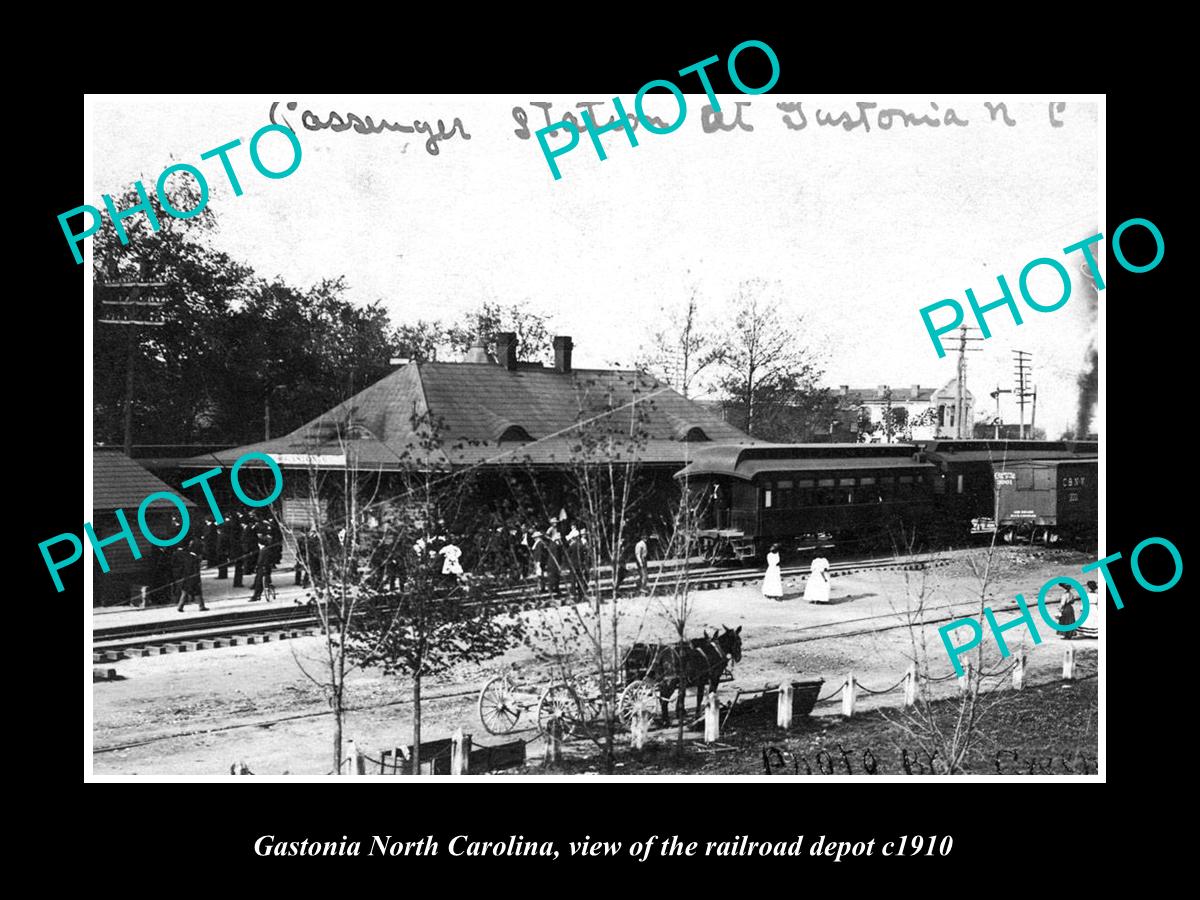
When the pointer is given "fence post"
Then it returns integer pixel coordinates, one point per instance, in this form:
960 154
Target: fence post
848 696
1019 671
964 683
1069 663
639 728
459 752
783 717
352 758
553 743
910 685
712 719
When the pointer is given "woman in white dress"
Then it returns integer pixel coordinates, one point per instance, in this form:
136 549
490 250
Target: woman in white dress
772 586
816 589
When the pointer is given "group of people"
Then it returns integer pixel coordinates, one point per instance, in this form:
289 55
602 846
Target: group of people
246 542
816 586
573 556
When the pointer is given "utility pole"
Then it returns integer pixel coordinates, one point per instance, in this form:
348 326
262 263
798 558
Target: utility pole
1024 363
133 310
996 396
961 382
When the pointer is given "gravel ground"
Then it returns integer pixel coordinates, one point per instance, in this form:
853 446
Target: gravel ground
196 713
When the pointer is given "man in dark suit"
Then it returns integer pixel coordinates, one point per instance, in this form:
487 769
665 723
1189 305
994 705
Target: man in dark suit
264 556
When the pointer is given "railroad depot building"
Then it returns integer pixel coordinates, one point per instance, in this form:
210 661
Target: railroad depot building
119 483
497 415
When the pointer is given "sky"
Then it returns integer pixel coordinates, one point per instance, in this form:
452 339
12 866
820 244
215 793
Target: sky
853 230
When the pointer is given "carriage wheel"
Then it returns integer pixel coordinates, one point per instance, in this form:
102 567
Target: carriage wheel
638 694
498 708
560 703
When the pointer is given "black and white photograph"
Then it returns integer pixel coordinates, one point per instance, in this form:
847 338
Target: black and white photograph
487 436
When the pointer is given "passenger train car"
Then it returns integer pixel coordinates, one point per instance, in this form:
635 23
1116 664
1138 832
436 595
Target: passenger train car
866 496
753 495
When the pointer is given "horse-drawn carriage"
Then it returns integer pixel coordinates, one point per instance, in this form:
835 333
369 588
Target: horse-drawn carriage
649 673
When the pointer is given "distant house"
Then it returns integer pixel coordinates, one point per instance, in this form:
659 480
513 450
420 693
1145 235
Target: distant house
494 414
934 410
119 483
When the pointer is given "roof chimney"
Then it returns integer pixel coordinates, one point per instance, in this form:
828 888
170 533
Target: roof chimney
506 349
916 391
478 352
562 353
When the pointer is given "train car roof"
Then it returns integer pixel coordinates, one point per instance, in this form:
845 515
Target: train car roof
746 461
1001 450
1049 463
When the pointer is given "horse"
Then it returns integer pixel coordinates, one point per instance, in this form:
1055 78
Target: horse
699 662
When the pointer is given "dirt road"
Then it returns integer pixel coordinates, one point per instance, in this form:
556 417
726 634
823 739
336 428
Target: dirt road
196 713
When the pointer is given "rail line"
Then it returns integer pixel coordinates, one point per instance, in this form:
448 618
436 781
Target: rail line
287 622
952 610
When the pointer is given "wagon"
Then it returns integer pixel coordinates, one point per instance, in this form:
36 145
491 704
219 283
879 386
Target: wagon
505 705
576 704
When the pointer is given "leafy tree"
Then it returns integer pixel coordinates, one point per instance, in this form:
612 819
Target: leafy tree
420 340
533 336
237 358
176 365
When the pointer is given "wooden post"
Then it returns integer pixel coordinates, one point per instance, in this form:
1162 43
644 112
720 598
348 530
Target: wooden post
639 728
712 719
352 759
1019 671
553 743
1069 663
848 696
460 752
910 686
783 717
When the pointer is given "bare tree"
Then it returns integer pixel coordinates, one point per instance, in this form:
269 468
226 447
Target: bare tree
683 348
605 500
766 371
948 737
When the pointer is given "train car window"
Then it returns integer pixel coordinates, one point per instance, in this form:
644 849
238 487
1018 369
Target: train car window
866 481
1043 479
784 485
939 483
825 493
887 487
960 484
767 496
1024 479
906 486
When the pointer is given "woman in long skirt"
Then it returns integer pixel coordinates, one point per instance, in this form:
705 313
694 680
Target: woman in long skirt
772 586
816 588
1066 611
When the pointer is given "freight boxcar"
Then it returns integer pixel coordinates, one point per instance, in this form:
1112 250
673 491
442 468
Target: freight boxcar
963 484
1047 500
862 495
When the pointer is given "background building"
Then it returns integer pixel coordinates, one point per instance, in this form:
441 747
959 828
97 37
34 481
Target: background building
119 483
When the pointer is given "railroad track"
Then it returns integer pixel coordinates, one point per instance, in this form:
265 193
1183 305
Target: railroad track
934 615
287 622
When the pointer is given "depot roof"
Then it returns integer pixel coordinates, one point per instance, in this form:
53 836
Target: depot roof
120 483
491 415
